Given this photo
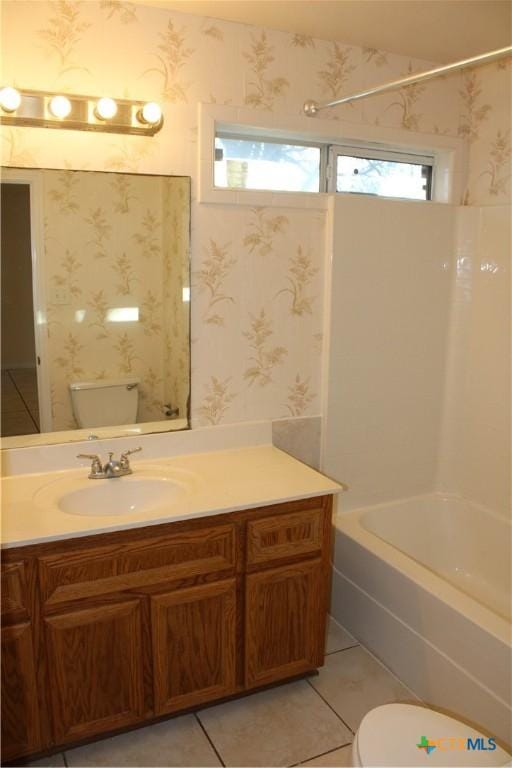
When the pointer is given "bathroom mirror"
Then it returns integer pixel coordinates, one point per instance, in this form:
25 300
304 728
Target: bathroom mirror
95 305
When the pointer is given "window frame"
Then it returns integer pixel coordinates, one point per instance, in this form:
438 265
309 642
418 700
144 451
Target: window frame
450 153
291 142
328 159
373 153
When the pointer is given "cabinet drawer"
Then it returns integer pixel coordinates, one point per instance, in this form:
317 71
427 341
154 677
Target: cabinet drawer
282 536
14 590
95 571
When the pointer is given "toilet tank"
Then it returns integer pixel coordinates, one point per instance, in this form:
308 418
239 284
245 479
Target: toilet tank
106 402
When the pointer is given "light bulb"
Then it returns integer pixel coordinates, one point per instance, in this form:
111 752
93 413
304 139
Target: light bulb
10 99
60 106
150 113
106 109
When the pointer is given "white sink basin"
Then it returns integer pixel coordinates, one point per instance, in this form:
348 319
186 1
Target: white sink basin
140 493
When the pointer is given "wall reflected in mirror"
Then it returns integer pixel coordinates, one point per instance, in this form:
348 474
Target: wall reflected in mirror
95 304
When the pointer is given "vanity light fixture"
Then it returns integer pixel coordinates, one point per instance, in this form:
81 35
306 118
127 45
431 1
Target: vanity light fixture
150 114
60 107
78 112
106 109
10 99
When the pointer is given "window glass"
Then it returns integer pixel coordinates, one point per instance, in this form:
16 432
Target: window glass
390 178
247 163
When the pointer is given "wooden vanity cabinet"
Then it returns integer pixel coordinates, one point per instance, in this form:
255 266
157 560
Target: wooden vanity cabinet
106 632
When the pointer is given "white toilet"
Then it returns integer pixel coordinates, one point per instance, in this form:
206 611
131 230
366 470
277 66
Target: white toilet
389 736
106 402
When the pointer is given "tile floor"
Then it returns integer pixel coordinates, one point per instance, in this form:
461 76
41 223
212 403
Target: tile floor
308 722
19 408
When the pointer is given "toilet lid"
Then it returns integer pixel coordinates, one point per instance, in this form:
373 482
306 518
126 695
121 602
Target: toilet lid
390 735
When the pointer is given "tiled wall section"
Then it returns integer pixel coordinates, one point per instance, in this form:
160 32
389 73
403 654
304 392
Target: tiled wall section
475 455
116 243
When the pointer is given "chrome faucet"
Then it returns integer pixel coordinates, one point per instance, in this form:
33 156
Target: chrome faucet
112 468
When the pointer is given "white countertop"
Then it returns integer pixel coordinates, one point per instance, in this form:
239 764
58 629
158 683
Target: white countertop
218 482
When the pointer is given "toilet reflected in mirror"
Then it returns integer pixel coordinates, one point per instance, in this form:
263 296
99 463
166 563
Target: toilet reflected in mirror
105 403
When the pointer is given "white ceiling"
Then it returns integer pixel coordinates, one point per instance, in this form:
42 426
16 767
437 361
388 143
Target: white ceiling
436 30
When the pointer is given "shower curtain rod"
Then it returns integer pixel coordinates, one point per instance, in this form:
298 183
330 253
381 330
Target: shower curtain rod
312 107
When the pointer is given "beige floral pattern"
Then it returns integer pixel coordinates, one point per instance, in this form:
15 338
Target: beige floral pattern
126 12
336 70
375 56
65 191
124 198
216 402
125 347
14 151
497 174
172 56
264 357
98 304
64 31
211 277
262 89
299 397
148 238
262 231
69 277
474 112
150 313
100 232
70 360
211 30
122 266
150 392
303 41
127 155
300 273
406 103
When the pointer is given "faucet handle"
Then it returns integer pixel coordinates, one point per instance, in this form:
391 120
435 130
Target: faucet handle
130 451
96 468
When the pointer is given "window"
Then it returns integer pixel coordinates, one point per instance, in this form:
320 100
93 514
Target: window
389 174
274 164
243 162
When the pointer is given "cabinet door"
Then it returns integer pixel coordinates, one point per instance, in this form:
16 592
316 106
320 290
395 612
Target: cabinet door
284 622
20 709
95 669
194 645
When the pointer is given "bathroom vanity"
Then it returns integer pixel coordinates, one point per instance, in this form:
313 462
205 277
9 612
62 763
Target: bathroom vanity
112 630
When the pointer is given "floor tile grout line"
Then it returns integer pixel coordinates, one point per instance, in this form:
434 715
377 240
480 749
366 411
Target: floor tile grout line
340 650
331 708
219 758
322 754
23 401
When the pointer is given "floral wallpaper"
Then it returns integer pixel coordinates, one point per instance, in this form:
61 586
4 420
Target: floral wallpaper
257 274
116 265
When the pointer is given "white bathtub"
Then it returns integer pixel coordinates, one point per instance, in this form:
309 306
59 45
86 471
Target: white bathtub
425 584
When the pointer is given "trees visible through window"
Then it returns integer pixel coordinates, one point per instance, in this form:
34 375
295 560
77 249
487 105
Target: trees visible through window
274 164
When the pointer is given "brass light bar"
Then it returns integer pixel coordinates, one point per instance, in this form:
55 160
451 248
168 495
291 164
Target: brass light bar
45 109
